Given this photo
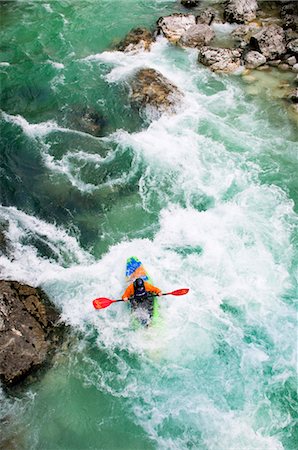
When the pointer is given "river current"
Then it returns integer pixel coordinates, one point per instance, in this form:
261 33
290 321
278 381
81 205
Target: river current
206 198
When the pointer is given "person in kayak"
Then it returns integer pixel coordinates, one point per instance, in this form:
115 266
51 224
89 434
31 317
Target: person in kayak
141 299
139 291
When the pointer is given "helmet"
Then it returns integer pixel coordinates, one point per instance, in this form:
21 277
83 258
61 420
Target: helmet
139 283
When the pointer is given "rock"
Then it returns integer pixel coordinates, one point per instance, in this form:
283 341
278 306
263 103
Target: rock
283 67
293 97
190 3
29 330
270 41
295 68
151 89
240 11
138 39
274 63
197 36
85 119
292 47
243 33
174 26
5 246
254 59
208 16
291 61
220 59
289 15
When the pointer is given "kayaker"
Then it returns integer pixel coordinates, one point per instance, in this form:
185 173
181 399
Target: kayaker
139 291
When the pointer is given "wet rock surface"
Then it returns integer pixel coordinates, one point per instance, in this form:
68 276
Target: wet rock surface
254 59
220 59
30 331
174 26
137 39
197 36
270 41
240 11
151 89
190 3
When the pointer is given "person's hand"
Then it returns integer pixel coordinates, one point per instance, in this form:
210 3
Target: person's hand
159 294
125 299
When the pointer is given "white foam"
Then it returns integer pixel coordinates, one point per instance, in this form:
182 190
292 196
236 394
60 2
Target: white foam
56 65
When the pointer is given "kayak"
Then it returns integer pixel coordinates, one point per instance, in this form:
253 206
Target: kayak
146 313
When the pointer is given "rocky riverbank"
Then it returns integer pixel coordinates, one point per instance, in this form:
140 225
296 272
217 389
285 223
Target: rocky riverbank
263 36
30 331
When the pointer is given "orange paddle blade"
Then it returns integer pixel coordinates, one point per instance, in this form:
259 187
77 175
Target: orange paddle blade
100 303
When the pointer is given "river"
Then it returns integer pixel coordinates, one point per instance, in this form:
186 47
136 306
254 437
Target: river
206 198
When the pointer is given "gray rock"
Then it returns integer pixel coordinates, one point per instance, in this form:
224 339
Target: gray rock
293 97
29 330
284 67
292 47
240 11
220 59
270 41
289 15
295 68
243 33
174 26
208 16
151 91
254 59
291 61
136 40
197 36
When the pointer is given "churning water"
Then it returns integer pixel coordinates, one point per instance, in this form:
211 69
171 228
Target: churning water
206 198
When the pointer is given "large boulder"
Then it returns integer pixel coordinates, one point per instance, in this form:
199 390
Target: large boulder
138 39
242 34
151 91
240 11
220 59
289 15
254 59
29 330
174 26
270 41
197 36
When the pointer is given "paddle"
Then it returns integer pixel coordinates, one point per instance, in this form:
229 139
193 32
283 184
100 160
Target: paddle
102 302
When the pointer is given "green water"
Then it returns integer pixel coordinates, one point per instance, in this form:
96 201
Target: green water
206 198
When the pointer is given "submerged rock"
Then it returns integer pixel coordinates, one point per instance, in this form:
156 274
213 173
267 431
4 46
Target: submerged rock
197 36
220 59
29 330
270 41
138 39
240 11
151 89
85 119
174 26
190 3
293 97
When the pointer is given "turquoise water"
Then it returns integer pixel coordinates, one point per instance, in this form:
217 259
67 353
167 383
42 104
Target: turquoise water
206 198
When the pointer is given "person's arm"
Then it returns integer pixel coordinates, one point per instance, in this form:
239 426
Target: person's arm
150 288
129 291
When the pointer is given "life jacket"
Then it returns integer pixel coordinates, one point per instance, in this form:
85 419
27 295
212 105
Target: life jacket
140 292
